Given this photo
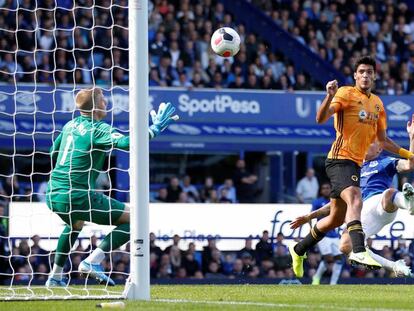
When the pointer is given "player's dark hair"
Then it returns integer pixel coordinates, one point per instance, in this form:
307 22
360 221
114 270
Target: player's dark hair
365 60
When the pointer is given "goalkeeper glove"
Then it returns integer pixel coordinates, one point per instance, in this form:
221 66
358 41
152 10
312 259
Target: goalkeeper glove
161 119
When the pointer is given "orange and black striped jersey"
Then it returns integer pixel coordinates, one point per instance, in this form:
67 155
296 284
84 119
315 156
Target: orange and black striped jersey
357 119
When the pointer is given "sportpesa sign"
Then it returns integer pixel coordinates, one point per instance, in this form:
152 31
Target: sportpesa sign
247 106
217 104
213 119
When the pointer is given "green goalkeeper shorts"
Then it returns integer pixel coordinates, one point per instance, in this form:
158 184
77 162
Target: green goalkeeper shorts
97 208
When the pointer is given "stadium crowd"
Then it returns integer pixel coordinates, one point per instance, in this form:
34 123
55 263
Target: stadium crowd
261 259
179 34
241 187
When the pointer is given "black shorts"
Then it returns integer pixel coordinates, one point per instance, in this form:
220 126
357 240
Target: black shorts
342 174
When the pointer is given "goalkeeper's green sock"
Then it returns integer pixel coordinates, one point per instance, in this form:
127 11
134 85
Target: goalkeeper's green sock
66 241
116 238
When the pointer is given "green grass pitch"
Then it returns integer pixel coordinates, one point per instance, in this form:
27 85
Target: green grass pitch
245 297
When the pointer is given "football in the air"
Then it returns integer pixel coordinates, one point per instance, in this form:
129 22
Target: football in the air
225 42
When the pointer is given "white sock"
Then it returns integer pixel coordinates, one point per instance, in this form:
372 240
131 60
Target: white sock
399 201
336 271
321 269
57 272
387 264
96 256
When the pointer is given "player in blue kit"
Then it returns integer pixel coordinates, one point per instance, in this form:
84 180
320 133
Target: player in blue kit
329 245
380 201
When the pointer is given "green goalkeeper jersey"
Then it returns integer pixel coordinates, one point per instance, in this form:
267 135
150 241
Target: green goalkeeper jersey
81 149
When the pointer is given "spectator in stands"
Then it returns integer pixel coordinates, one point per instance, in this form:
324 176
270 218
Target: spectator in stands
279 244
307 187
230 194
238 82
24 249
41 272
264 248
406 83
162 195
190 264
155 249
184 198
223 196
175 258
154 79
184 34
401 250
216 256
27 195
174 189
237 271
10 65
11 186
206 255
154 265
41 191
189 188
165 70
248 248
213 271
212 197
165 268
267 268
207 187
41 255
248 263
176 242
245 183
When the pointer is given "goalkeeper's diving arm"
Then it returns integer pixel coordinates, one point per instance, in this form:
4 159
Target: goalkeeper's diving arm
161 119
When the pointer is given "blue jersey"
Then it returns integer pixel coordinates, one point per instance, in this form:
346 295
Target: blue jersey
317 204
377 175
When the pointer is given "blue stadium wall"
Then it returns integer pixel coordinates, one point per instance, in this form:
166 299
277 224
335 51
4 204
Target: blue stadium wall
211 121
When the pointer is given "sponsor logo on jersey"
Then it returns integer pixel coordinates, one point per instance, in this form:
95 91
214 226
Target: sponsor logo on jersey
367 117
362 114
364 174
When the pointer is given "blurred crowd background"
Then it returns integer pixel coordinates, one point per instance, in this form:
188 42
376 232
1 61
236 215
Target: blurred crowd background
90 44
259 258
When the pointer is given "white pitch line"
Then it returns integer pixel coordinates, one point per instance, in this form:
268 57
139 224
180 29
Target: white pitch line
268 304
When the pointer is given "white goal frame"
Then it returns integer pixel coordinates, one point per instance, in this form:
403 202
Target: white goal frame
138 287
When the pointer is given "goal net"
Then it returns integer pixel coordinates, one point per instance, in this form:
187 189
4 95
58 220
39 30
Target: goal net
49 50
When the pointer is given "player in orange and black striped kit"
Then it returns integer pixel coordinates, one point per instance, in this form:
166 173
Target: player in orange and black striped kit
360 119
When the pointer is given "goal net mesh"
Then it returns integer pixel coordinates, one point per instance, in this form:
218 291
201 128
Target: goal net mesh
49 50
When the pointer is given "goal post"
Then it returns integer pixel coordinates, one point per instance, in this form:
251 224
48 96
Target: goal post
48 52
139 283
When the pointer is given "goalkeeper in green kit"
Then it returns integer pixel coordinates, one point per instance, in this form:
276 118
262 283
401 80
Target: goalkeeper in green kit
80 151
